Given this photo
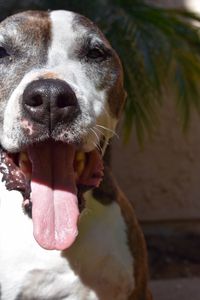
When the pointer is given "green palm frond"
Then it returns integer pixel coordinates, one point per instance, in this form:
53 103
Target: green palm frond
157 46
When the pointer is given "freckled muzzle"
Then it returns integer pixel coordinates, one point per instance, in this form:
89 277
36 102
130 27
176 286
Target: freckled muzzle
49 102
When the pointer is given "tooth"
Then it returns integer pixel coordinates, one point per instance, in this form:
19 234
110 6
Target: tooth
80 168
24 164
23 157
80 155
80 159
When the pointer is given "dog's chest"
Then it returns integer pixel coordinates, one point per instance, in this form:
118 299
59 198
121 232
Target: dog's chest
98 266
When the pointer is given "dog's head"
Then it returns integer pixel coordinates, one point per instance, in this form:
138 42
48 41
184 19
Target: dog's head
61 94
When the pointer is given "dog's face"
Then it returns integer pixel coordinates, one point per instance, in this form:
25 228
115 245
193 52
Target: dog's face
57 50
61 94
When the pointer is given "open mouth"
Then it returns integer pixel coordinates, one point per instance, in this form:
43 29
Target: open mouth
52 177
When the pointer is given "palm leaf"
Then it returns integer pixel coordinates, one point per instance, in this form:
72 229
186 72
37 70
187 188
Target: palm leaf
156 45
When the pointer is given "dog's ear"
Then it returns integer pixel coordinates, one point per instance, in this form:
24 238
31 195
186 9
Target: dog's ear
117 97
117 94
125 96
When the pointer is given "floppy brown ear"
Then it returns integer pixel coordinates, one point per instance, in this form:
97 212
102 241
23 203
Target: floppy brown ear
124 102
117 98
125 96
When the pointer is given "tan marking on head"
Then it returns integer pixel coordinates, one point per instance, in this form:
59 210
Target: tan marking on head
49 75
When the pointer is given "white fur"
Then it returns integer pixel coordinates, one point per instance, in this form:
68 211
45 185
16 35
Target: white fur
100 256
62 37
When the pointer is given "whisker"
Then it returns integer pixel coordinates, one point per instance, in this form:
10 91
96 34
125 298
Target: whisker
100 131
96 144
108 129
106 142
93 130
106 112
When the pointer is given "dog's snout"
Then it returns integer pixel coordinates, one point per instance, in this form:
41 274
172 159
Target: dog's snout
49 100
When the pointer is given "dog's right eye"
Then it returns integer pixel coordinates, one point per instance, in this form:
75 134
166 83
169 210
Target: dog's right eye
3 53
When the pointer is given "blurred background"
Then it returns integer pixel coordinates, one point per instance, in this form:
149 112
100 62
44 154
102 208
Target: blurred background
156 158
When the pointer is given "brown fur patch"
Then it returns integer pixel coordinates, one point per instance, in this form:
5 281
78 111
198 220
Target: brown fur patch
136 240
117 94
37 23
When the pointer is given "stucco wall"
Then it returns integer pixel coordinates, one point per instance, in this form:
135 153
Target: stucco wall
163 179
189 4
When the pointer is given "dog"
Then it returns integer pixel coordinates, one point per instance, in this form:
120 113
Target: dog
61 96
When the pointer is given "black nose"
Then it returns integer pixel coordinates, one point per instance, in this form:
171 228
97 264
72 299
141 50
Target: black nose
49 101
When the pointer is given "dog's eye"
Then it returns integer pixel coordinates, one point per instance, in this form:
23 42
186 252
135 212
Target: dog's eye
3 52
96 54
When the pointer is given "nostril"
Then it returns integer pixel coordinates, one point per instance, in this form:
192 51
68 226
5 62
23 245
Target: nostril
34 100
64 100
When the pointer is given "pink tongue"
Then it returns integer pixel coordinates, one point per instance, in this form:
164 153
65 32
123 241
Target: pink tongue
54 201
